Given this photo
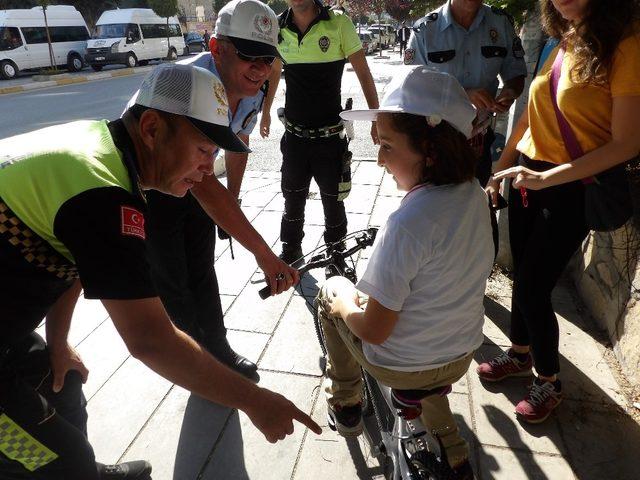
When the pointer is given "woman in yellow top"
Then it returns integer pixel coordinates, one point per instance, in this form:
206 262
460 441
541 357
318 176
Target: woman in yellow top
599 95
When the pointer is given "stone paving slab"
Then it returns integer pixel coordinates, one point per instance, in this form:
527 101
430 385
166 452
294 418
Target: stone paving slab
242 451
188 438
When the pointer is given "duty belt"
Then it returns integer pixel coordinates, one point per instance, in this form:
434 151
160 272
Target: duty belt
318 132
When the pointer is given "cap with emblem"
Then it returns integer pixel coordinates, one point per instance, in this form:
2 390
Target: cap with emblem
422 91
195 93
251 26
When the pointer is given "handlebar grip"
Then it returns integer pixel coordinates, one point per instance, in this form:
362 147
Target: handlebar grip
265 292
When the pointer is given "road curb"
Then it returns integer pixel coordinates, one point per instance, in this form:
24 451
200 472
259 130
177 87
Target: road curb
75 79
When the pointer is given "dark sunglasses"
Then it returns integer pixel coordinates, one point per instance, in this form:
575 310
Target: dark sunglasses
268 60
246 58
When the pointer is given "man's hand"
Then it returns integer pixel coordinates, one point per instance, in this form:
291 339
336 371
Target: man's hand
62 360
505 100
273 415
265 124
493 189
278 274
482 99
374 133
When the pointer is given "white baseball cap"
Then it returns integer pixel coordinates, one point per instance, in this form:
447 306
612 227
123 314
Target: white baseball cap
422 91
195 93
251 26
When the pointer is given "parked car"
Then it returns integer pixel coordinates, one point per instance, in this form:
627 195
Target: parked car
381 32
193 43
133 36
23 39
369 42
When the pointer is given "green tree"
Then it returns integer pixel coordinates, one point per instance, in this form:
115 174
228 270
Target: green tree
278 6
218 4
10 4
166 9
517 8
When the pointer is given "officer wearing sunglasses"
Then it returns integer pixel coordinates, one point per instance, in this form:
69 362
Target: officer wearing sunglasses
181 231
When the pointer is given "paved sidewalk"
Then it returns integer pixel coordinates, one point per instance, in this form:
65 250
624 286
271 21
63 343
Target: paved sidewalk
136 414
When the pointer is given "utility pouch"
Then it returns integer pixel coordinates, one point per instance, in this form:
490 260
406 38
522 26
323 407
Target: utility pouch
344 186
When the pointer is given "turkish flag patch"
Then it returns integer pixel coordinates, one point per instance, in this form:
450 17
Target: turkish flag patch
132 222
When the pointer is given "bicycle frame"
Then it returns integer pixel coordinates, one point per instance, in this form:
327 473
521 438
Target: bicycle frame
401 439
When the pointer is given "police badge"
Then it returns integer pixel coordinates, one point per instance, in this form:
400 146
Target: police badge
493 33
324 43
409 55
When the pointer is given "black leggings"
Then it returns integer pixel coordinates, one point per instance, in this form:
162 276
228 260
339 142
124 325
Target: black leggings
43 435
543 236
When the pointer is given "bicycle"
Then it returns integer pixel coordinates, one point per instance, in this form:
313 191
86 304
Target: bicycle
407 450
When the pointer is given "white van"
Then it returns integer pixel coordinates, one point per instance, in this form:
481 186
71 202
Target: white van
23 39
133 36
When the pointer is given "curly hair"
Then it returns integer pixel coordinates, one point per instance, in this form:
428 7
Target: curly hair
454 161
596 37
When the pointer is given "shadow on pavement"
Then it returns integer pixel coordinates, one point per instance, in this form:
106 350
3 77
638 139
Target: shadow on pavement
202 427
596 436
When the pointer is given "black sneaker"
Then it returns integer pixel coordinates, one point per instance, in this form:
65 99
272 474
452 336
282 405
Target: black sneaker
347 421
136 470
291 254
463 472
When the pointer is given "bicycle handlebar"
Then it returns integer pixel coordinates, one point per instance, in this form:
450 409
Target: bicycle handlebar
333 251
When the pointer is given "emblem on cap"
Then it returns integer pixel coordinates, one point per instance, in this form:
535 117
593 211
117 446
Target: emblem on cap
409 55
324 43
493 33
263 24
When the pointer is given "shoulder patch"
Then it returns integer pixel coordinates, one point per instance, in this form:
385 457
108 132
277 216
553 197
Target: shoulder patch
409 55
500 11
132 222
518 50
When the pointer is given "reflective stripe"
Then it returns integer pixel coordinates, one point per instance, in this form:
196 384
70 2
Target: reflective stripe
18 445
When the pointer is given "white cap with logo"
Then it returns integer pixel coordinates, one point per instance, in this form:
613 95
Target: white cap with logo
195 93
251 26
422 91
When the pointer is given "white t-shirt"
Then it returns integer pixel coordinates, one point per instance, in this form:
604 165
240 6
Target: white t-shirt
430 263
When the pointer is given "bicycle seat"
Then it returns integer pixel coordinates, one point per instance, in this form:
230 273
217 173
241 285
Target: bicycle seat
411 398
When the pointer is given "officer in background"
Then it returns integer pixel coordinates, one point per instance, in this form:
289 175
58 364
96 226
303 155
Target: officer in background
403 35
475 43
315 43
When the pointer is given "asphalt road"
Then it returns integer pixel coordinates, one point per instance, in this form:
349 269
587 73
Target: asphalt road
105 99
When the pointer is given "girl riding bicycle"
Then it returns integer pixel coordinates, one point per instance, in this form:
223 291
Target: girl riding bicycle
416 317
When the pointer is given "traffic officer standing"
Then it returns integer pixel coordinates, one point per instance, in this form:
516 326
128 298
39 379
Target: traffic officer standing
475 43
315 41
72 210
181 230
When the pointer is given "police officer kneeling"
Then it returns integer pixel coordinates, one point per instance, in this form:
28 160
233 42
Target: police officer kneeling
72 210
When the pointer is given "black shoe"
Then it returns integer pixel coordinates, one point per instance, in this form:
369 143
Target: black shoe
463 472
291 254
347 421
137 470
236 362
